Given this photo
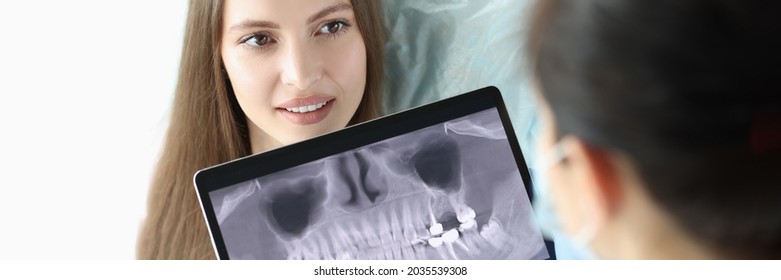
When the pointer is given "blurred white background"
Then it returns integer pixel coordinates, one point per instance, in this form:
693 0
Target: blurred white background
85 92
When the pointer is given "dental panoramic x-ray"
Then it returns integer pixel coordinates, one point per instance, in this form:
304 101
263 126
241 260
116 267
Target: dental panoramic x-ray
448 191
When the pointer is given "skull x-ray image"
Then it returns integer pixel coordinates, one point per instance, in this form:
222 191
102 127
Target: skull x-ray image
448 191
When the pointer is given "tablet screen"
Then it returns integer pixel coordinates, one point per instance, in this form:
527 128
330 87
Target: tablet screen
451 190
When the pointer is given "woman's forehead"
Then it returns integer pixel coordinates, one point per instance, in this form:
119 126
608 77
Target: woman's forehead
242 14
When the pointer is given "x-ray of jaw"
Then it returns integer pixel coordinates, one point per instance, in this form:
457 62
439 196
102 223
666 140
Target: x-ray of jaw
449 191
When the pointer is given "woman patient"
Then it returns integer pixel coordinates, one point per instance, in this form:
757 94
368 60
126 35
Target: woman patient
256 75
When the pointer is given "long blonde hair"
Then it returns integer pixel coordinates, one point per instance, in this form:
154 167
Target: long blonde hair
208 127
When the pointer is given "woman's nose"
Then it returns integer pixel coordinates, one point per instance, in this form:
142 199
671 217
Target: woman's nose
301 66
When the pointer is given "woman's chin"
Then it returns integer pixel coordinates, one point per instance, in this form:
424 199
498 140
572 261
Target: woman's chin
308 133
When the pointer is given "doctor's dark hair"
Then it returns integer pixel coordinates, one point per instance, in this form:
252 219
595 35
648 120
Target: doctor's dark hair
208 127
689 91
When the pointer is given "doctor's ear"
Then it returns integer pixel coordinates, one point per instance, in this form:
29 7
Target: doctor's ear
595 174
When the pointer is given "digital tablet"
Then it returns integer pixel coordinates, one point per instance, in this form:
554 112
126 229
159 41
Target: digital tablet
442 181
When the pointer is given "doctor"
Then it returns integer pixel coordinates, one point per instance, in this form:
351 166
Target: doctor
661 126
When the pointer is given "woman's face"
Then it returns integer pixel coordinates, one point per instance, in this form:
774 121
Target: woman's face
297 67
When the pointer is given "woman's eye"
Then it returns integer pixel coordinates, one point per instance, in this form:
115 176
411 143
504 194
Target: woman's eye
332 27
258 40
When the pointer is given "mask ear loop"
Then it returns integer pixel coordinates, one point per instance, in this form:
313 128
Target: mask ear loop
559 154
544 209
588 232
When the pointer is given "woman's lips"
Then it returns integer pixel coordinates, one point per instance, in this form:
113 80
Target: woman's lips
306 111
306 101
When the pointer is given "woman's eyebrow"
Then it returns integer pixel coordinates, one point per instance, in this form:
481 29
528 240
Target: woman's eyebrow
246 24
329 10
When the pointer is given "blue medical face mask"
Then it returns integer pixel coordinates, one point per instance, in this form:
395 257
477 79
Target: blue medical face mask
567 247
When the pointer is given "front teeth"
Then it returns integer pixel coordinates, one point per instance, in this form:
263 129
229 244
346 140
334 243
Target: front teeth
306 109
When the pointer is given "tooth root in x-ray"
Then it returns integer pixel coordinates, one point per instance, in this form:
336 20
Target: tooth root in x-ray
450 191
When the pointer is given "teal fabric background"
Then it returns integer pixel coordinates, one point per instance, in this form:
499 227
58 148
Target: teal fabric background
440 48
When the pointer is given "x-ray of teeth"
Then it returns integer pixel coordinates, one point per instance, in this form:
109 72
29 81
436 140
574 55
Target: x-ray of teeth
448 191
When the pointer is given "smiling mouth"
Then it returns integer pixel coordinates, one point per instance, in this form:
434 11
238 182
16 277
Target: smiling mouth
307 108
307 111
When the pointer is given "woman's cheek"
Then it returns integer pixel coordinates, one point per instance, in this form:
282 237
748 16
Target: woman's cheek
349 66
